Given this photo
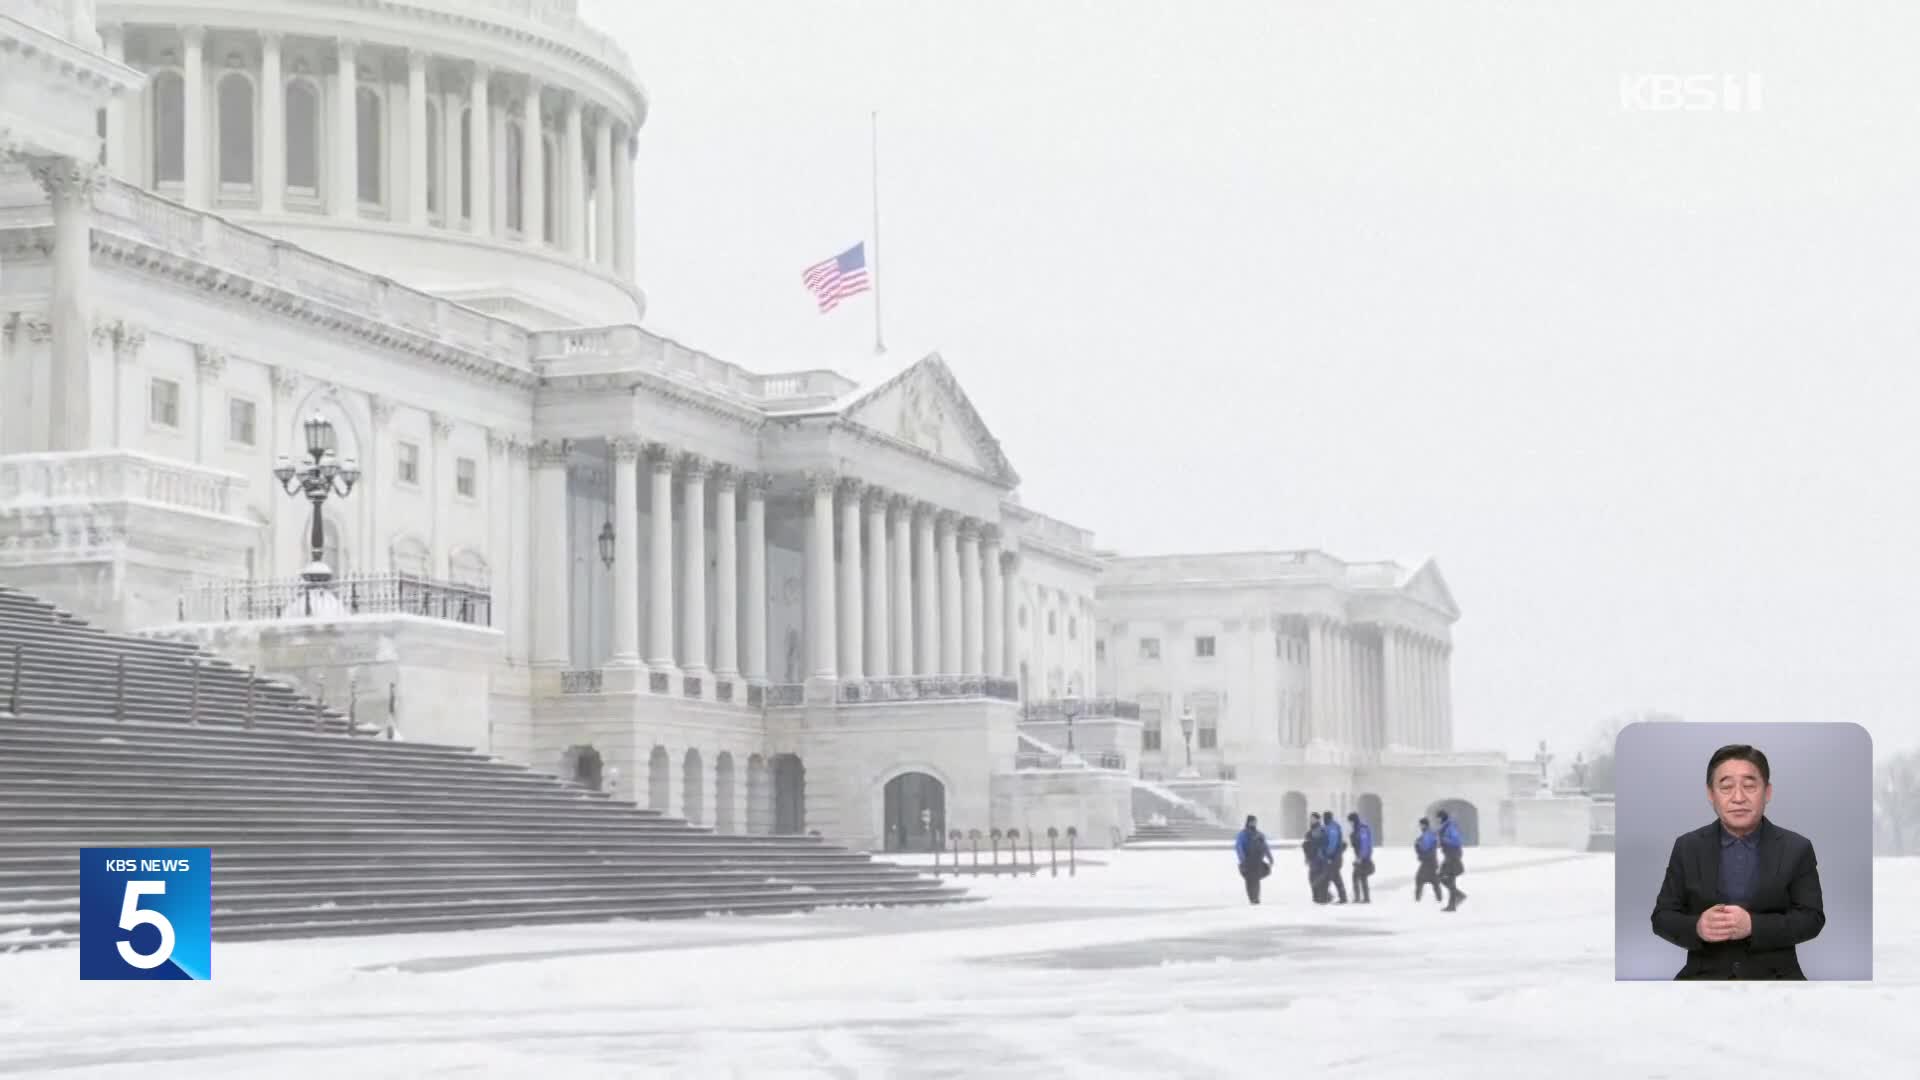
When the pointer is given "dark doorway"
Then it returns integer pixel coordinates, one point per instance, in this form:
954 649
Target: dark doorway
789 795
583 766
1464 814
916 812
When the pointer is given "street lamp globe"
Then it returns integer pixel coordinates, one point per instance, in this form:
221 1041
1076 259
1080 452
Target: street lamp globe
606 545
319 436
1186 725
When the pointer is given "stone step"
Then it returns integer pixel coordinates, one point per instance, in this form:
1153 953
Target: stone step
31 731
231 882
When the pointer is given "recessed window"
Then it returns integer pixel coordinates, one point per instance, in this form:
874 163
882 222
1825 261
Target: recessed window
409 463
466 477
1203 646
1023 616
1100 651
242 421
1073 629
163 402
1051 630
1149 648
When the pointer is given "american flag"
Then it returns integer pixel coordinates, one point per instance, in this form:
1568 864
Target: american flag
836 279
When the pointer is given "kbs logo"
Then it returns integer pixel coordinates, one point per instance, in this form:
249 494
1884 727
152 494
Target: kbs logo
1690 93
146 913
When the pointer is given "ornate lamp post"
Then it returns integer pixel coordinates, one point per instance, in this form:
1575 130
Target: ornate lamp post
1186 733
606 545
1070 708
317 479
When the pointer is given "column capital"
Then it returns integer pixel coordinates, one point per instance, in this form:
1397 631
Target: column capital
899 506
660 457
128 340
69 182
285 382
968 528
821 481
518 448
193 35
725 477
551 453
271 39
757 484
380 407
209 361
345 50
852 488
443 426
694 466
876 499
625 450
945 520
417 61
498 441
926 512
989 534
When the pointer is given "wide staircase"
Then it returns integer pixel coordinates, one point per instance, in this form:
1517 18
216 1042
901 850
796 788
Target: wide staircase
1162 818
110 741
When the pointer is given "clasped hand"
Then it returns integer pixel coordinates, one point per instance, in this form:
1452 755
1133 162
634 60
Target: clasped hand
1724 922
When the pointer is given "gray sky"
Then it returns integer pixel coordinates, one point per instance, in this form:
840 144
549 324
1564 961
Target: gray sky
1386 279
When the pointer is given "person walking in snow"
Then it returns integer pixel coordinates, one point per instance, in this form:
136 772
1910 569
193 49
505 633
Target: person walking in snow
1361 839
1255 857
1426 848
1450 865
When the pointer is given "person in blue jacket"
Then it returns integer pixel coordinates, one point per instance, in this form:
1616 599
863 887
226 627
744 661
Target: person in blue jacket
1254 856
1335 845
1314 843
1450 865
1362 841
1426 848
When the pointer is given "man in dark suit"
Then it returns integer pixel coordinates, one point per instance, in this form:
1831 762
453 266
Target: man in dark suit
1740 893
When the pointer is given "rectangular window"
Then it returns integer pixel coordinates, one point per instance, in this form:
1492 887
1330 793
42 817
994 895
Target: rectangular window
241 418
1100 651
163 402
409 463
1206 722
1149 729
1149 648
1203 646
466 477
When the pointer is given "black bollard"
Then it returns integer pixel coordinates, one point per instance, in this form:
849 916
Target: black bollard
1033 868
974 836
1053 849
1013 849
995 836
1073 865
953 837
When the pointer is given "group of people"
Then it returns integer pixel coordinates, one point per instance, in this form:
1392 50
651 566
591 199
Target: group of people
1325 847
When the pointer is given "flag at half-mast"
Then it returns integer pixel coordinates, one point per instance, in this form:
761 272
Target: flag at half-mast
836 279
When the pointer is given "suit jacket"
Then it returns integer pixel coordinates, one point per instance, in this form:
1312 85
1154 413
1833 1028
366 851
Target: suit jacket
1785 907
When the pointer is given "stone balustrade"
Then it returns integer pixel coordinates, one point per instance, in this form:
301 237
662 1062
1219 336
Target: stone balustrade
89 476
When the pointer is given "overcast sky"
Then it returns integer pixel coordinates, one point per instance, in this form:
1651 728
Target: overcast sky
1392 280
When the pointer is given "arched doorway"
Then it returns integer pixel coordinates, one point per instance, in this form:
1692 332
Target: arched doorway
1293 814
1464 814
789 795
723 815
1370 812
659 780
693 788
915 814
759 797
583 766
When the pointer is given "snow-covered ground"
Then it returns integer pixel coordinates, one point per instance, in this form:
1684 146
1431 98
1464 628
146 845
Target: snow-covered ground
1149 965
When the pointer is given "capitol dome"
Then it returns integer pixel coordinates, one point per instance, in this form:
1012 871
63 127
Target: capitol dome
348 127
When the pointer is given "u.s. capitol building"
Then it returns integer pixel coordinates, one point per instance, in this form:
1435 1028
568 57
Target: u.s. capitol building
763 600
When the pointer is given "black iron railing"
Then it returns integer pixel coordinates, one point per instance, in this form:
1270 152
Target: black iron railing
925 688
1085 709
353 594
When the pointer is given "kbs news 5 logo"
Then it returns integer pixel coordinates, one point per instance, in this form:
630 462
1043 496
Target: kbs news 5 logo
146 913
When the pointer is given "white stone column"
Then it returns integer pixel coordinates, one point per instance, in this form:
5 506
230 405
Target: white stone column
442 493
972 637
497 120
901 605
573 206
515 614
950 600
1389 681
626 553
1423 688
851 608
623 235
993 615
879 628
1446 697
195 154
820 568
756 579
926 604
726 575
344 153
603 190
533 164
451 206
693 569
660 561
209 363
70 186
1009 604
1319 700
480 161
273 128
417 138
113 39
553 557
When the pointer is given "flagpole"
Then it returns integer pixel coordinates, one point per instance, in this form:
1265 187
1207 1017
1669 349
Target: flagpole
879 342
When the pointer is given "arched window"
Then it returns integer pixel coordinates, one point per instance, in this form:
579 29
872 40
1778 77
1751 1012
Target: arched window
332 552
434 153
466 164
236 131
550 188
469 568
169 127
516 147
410 556
303 137
367 118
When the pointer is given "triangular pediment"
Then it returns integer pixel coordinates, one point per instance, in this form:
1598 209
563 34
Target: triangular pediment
1429 586
924 407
